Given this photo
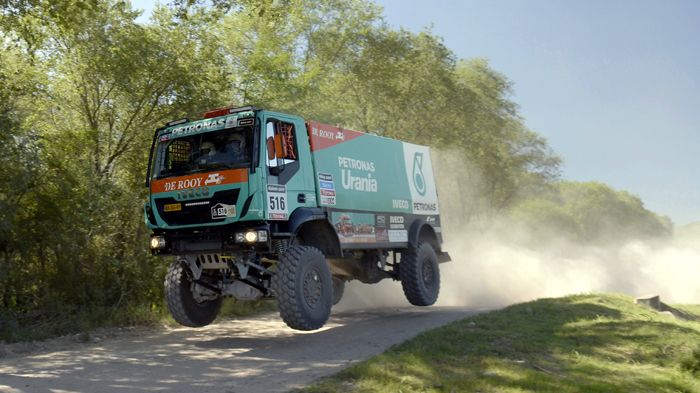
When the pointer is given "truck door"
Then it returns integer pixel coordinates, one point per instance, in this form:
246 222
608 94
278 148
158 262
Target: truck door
288 167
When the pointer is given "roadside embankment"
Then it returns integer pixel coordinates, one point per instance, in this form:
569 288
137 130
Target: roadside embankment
582 343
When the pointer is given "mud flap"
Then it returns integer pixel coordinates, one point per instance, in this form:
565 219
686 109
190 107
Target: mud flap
443 257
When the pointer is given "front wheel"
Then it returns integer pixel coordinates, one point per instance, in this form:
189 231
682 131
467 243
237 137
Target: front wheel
187 308
304 288
420 274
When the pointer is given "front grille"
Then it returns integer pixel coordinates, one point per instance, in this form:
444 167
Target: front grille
197 213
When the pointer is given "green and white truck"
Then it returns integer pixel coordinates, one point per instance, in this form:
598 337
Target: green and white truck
254 204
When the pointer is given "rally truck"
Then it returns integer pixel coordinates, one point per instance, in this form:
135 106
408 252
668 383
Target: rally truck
259 204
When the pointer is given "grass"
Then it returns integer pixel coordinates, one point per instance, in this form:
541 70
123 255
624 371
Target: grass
583 343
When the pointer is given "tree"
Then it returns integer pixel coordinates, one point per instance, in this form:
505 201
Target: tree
590 212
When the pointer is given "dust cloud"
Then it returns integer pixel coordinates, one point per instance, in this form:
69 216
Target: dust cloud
488 271
495 262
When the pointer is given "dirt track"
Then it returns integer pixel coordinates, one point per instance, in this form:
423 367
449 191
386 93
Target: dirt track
247 355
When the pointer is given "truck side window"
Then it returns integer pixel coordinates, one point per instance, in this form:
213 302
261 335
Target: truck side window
281 145
178 155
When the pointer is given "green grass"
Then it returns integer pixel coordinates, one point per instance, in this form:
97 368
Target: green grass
583 343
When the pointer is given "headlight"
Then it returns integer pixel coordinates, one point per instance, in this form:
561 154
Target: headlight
157 242
251 236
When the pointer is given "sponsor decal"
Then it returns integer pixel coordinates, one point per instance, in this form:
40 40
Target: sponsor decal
204 125
329 185
222 211
354 227
400 204
396 222
418 178
199 181
172 207
358 183
420 207
214 178
381 221
323 133
354 181
327 188
351 163
193 193
324 136
419 173
398 235
230 121
277 202
180 184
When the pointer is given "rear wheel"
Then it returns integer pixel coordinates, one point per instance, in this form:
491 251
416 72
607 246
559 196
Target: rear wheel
190 304
420 274
304 288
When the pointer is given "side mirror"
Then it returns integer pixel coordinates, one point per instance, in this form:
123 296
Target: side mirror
275 151
270 148
280 150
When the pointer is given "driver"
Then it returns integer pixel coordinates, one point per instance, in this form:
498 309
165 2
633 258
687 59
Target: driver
235 148
207 152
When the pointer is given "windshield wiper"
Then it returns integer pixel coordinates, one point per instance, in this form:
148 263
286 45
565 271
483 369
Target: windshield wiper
216 165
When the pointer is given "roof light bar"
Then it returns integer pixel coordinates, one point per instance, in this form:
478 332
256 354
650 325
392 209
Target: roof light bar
176 122
227 111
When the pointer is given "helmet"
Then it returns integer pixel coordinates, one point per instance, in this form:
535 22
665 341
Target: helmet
207 148
236 141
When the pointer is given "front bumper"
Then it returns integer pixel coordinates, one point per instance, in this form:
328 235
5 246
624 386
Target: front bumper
210 240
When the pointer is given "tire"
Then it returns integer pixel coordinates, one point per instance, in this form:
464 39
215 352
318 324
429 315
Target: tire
338 289
183 306
420 274
304 288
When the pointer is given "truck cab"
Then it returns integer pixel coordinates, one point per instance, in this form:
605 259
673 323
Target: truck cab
238 198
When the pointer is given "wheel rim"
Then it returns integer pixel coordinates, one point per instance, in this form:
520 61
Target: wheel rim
201 295
428 274
312 287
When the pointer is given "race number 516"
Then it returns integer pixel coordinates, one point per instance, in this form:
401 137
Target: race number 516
278 203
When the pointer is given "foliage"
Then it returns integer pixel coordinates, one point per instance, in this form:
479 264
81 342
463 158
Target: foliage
589 212
583 343
79 113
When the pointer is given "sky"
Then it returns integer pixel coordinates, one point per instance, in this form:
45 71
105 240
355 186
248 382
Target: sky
614 86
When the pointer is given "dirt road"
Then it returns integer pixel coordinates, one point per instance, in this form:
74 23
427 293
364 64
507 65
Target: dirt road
246 355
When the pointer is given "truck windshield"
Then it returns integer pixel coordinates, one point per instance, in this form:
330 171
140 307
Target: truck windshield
229 148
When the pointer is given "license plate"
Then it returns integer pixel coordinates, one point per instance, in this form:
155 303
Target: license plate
173 207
